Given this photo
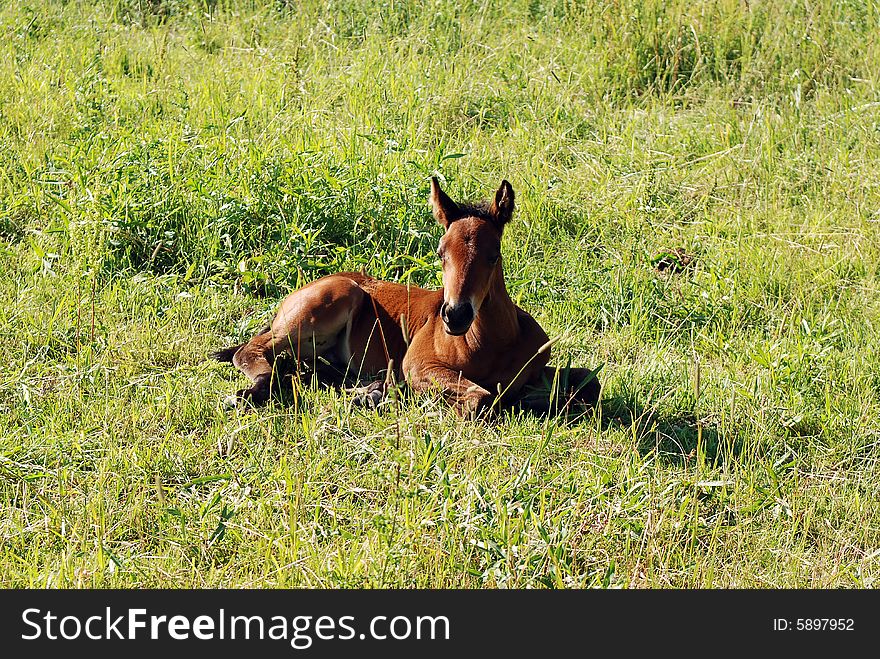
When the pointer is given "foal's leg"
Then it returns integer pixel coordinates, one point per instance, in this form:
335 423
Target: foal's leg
467 397
574 386
581 387
310 322
253 359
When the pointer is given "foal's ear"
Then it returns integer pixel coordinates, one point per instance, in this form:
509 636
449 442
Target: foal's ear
445 210
501 209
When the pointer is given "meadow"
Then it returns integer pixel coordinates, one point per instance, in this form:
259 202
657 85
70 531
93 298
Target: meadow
170 169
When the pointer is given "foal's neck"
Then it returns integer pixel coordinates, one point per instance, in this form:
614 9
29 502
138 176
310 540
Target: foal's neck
496 322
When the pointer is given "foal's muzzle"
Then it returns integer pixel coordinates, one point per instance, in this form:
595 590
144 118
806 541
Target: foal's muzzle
458 318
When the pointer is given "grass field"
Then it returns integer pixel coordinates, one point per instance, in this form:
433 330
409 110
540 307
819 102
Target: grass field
168 171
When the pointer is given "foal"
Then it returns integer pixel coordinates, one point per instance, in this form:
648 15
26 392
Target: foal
467 339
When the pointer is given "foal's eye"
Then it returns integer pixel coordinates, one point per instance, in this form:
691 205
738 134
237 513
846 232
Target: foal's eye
494 259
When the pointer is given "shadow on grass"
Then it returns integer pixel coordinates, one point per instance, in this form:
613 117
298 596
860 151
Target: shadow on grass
567 394
676 439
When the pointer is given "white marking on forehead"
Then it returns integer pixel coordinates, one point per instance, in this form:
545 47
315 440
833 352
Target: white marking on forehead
447 293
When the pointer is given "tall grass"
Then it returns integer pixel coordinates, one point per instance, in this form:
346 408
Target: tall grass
170 169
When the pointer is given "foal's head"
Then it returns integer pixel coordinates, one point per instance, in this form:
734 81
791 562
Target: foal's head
470 251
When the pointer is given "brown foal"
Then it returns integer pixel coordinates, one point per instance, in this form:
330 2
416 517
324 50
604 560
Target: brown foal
469 340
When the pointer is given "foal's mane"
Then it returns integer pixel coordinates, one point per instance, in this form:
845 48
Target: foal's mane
478 209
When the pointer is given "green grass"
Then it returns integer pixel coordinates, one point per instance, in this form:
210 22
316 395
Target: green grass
168 171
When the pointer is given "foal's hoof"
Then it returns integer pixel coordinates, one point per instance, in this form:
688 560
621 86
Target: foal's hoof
588 394
369 396
477 406
254 396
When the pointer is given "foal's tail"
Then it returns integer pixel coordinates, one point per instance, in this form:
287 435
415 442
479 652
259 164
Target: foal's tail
226 354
